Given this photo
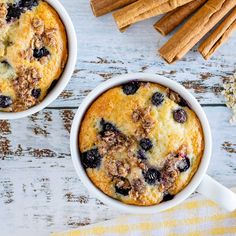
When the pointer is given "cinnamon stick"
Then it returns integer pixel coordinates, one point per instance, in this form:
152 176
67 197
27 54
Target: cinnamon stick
194 29
219 36
172 19
144 9
102 7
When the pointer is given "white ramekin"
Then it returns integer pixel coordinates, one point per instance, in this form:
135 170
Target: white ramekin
200 181
68 70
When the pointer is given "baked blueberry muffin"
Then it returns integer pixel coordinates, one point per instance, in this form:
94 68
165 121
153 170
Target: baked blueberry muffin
33 52
140 143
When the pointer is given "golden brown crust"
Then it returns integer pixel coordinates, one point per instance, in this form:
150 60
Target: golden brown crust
36 28
169 138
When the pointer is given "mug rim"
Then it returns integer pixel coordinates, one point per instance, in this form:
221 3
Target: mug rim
67 72
195 106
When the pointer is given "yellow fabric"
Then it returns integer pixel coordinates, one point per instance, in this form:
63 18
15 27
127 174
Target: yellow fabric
195 217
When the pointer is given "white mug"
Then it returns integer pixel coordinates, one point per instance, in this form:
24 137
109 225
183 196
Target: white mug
200 182
68 70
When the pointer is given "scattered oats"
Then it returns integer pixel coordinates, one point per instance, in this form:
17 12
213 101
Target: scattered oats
229 92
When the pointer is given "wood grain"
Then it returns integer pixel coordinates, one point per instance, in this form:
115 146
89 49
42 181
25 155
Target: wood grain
39 189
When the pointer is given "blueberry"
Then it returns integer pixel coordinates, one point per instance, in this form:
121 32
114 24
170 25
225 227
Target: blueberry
122 186
5 101
123 190
180 116
13 12
146 144
28 4
157 99
91 158
131 87
39 53
152 176
141 155
184 164
36 93
167 197
183 103
107 126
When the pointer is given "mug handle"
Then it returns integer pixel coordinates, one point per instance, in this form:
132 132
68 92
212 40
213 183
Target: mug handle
217 193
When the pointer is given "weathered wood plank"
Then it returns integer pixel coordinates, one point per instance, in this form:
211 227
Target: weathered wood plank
104 52
39 189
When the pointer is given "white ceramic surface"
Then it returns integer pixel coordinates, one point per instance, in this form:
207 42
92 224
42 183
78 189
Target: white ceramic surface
67 73
200 176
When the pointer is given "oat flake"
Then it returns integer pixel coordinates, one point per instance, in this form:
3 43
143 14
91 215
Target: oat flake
229 92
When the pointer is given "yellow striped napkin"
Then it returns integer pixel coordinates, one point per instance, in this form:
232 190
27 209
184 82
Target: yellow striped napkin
196 216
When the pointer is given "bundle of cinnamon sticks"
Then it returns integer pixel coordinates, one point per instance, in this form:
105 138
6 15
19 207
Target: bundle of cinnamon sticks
202 16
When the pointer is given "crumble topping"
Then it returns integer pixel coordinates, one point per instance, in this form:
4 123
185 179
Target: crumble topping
112 141
38 26
143 116
122 185
46 36
42 37
172 167
169 173
49 37
3 13
27 54
117 168
26 81
173 95
137 188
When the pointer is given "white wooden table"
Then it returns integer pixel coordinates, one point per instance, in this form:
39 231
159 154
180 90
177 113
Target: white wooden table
39 189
